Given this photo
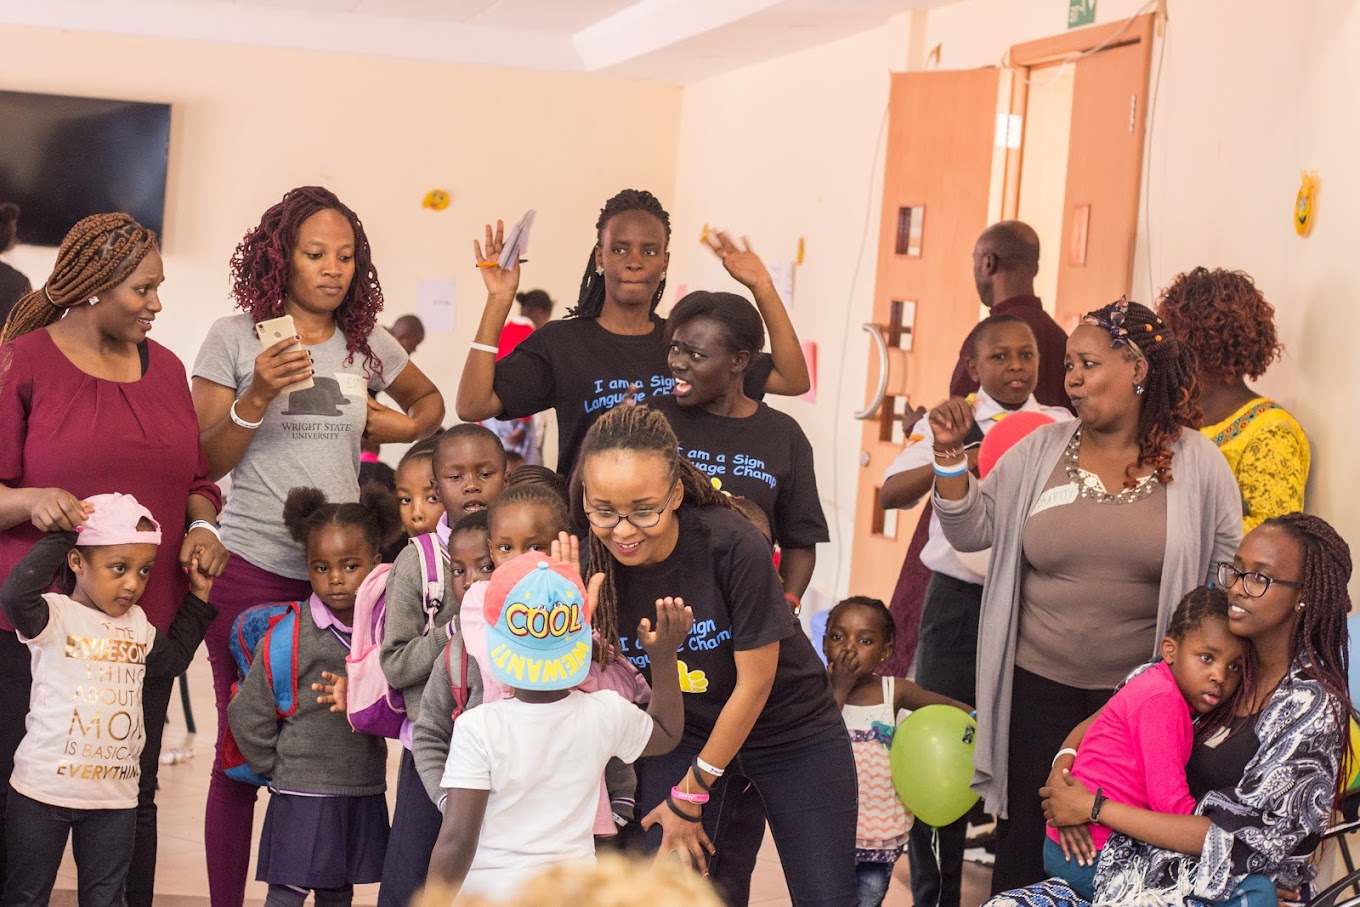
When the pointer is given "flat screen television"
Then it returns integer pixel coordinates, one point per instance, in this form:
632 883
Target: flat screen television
64 158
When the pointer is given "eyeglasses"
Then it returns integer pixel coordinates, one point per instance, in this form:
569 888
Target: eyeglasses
1254 584
645 518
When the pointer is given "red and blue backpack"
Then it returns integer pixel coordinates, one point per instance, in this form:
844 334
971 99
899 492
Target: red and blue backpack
278 624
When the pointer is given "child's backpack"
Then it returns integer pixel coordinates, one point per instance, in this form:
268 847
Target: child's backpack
375 707
279 623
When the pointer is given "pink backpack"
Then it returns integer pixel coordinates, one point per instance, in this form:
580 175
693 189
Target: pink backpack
374 706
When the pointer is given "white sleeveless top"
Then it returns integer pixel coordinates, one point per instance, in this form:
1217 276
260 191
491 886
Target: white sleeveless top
883 820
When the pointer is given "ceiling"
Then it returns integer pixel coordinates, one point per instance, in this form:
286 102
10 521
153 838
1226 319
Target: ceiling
663 40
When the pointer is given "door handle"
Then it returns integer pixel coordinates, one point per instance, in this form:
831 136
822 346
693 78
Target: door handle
881 345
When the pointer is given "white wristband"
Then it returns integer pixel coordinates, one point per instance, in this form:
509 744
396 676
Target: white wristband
715 772
484 347
1065 751
242 422
204 524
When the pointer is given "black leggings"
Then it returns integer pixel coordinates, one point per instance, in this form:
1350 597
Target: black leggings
811 797
1043 713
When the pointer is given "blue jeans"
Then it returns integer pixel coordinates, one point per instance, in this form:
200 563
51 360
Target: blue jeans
36 834
1253 891
873 880
1081 878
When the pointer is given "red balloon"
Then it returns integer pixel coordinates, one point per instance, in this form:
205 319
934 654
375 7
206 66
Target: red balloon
1005 435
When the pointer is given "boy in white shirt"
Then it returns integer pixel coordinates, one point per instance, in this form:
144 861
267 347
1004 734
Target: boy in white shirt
523 773
1004 360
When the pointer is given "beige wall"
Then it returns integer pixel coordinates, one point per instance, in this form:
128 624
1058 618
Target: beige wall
1251 92
249 124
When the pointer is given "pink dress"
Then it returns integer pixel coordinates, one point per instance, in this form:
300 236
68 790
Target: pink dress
883 820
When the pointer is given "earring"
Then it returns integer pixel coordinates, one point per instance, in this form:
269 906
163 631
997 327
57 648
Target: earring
93 300
1138 388
1300 606
599 271
663 275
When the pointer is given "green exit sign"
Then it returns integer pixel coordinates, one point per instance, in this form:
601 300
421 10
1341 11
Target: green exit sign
1080 12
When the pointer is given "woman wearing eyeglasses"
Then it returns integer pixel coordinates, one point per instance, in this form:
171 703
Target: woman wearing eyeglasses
1097 527
757 699
1267 785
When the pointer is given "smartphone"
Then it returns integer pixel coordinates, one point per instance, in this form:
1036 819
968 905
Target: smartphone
271 332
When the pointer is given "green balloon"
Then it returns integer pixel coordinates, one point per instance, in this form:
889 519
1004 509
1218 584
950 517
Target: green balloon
932 763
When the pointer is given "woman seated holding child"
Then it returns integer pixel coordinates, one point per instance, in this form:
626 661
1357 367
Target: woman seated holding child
1268 781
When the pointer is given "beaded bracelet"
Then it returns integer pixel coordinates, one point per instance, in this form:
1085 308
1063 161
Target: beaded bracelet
950 454
681 813
685 795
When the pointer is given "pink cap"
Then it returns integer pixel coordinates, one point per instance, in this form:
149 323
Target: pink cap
114 522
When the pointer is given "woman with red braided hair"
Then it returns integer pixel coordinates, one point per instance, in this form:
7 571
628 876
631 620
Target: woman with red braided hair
90 405
308 258
1225 323
1093 545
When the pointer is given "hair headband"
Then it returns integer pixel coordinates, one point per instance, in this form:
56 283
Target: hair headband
1116 323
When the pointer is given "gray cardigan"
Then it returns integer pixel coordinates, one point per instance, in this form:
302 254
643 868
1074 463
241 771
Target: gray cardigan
1203 526
433 730
408 652
315 751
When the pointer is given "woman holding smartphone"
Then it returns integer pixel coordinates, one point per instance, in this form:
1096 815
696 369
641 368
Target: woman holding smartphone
286 415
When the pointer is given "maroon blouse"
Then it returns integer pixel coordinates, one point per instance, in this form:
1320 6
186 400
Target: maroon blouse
62 428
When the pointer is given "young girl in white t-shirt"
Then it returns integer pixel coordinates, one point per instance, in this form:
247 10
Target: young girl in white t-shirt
77 770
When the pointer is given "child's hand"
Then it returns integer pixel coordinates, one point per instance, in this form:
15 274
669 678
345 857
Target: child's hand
332 691
743 264
951 421
567 549
1077 844
673 621
499 282
200 583
844 669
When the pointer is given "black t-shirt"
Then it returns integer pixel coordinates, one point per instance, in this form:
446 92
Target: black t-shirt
579 370
765 458
721 567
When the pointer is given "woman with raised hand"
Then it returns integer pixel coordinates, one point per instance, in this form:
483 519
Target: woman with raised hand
1128 500
612 340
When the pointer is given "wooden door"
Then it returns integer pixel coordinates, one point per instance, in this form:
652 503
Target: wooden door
937 198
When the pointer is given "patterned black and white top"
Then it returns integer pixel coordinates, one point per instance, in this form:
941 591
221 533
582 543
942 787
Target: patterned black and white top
1270 823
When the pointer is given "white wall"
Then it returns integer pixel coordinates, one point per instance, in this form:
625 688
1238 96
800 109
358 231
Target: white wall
789 149
250 123
1250 93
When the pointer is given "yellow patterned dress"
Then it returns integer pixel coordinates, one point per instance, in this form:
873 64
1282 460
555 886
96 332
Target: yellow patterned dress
1269 455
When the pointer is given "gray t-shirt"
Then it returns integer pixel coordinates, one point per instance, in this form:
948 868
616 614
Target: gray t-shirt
309 437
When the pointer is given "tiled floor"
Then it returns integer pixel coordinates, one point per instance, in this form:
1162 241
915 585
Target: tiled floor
181 879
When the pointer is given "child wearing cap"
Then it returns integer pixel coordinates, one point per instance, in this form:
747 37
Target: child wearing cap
77 769
523 773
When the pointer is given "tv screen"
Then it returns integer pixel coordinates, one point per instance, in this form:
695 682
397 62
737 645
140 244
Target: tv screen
64 158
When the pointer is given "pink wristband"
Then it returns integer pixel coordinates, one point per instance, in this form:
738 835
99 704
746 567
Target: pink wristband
679 794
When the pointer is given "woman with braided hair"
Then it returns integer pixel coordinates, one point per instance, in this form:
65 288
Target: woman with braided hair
613 339
757 699
308 258
1225 323
1268 784
1093 544
90 405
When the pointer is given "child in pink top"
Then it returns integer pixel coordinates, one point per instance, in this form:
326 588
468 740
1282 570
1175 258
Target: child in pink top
1136 750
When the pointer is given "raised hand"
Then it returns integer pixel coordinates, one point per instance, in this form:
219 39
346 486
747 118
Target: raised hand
502 282
673 623
951 421
743 264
